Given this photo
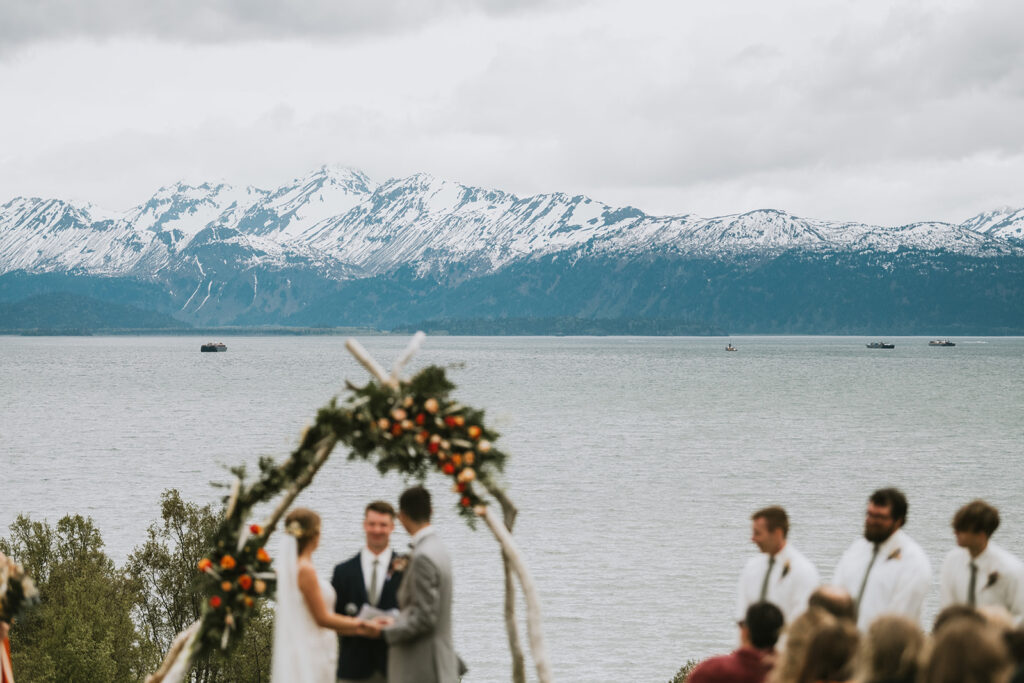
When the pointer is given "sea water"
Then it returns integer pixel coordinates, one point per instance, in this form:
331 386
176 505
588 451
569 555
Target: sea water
635 462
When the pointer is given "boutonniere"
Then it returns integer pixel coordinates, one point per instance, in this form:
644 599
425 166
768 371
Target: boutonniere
785 570
398 564
894 555
992 578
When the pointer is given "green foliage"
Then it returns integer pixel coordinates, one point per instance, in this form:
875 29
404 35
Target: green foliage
684 672
98 623
165 567
83 629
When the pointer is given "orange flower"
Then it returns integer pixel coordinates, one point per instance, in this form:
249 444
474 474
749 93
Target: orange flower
262 555
225 586
215 601
259 586
465 501
245 581
227 562
474 432
448 468
205 564
255 529
431 405
248 601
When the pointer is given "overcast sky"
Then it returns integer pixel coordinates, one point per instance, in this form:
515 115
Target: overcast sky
849 110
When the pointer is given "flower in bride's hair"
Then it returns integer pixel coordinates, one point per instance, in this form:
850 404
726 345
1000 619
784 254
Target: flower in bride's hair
294 528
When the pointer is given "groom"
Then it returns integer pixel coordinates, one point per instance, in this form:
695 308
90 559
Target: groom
372 576
420 640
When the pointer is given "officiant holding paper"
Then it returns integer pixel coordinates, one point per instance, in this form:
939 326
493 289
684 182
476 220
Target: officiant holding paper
372 578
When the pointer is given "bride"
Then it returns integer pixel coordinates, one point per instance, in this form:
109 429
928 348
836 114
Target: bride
306 626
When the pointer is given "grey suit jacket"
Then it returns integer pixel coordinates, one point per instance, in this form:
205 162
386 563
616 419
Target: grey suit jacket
420 641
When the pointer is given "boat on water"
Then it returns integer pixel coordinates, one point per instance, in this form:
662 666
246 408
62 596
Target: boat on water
730 347
880 345
213 346
941 342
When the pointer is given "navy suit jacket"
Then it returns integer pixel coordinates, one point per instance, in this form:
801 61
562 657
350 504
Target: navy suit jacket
360 657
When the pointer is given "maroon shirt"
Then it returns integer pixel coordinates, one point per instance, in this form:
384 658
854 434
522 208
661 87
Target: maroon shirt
745 665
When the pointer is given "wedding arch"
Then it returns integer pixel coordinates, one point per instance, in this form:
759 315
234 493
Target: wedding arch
409 426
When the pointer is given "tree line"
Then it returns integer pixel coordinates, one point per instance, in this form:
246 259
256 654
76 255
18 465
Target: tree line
99 622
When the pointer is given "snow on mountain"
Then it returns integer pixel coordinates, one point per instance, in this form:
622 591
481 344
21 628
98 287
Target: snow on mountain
1005 223
340 222
290 211
51 235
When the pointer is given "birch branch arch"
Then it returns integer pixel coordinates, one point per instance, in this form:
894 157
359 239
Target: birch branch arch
409 426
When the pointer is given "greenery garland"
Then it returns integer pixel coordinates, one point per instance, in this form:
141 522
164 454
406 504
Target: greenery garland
411 427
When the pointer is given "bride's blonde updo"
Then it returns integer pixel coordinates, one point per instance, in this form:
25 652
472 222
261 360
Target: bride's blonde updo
304 525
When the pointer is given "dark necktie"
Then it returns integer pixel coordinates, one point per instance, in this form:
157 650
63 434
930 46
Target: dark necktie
864 583
971 598
764 584
373 581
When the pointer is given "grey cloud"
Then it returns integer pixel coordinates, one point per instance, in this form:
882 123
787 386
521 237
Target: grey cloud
27 21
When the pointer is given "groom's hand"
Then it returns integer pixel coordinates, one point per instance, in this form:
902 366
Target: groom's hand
369 629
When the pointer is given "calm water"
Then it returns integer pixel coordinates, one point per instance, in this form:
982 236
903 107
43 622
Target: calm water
635 462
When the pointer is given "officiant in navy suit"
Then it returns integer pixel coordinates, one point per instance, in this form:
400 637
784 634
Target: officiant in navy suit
372 577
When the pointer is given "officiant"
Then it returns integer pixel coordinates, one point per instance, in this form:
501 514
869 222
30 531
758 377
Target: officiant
370 577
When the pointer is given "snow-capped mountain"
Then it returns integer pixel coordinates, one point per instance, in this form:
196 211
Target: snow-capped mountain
339 220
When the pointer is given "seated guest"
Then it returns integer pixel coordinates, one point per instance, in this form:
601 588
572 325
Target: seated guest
954 612
789 663
759 631
968 652
835 600
1015 643
832 654
892 651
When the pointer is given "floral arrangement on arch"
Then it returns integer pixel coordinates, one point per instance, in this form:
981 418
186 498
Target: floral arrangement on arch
412 427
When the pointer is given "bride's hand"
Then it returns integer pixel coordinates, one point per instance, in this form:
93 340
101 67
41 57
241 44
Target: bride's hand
369 629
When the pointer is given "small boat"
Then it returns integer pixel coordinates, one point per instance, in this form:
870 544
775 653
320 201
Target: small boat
730 347
880 345
940 342
213 346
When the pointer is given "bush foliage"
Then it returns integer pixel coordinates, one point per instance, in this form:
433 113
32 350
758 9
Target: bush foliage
98 622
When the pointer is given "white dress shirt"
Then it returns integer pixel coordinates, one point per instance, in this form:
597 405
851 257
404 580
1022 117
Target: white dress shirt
999 580
792 580
898 582
366 558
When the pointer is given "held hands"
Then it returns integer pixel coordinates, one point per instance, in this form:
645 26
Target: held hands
372 628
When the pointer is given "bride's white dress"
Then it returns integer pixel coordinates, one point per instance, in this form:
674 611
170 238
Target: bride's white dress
303 652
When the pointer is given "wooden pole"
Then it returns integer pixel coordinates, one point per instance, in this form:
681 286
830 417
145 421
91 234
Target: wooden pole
182 646
533 619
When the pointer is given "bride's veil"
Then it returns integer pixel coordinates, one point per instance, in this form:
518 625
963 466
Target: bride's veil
291 661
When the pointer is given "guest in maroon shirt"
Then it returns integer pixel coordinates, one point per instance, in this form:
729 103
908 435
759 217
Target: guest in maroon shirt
759 632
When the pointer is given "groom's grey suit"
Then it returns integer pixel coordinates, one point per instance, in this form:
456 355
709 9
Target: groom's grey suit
420 646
